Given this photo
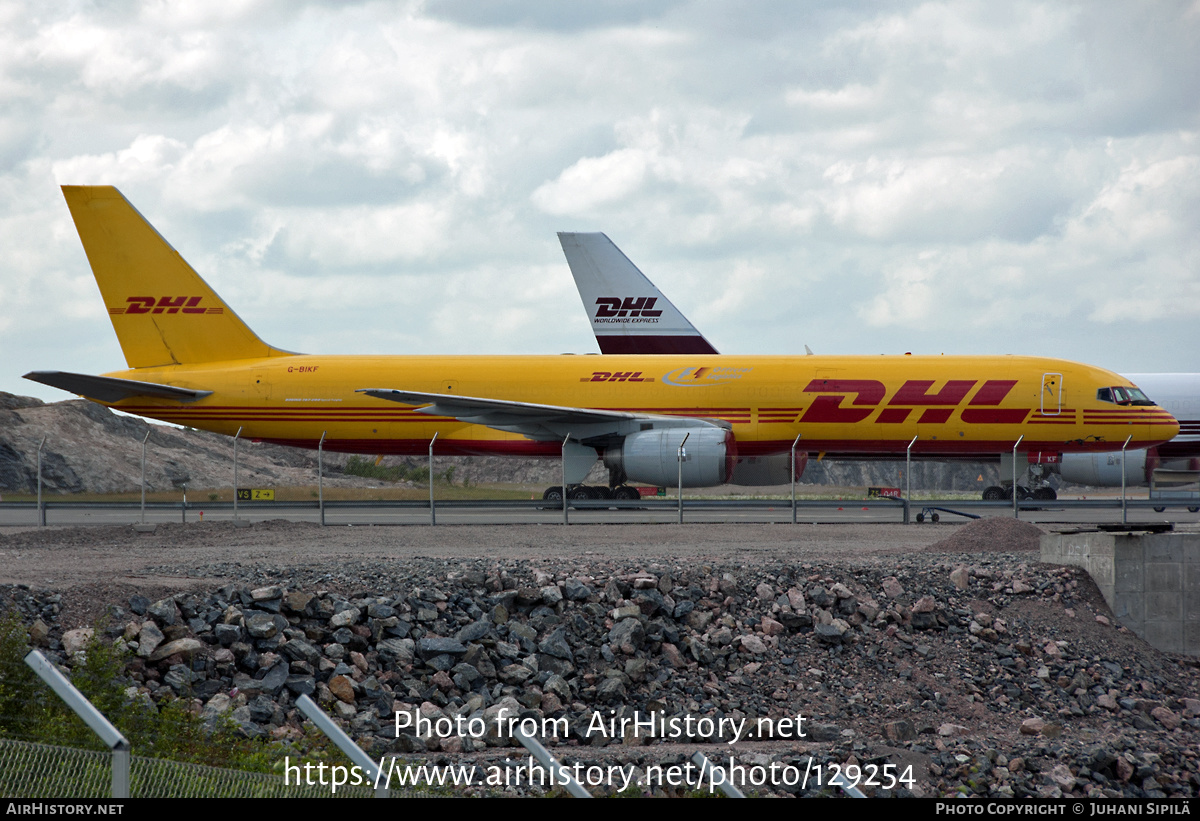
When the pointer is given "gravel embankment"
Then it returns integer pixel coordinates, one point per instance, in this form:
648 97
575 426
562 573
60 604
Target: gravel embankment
948 649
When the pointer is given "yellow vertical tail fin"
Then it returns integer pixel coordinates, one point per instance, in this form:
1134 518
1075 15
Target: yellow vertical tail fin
164 313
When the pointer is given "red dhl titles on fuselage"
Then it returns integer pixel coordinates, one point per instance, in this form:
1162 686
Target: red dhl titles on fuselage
836 404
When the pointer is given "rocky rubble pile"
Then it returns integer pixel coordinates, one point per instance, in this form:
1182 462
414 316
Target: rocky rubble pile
989 675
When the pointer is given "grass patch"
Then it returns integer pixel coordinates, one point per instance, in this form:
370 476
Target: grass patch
358 466
303 493
167 729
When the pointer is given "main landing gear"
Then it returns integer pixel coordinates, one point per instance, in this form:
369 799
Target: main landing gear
581 492
616 489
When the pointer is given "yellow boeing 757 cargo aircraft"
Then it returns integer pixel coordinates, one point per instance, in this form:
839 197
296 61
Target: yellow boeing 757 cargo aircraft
193 362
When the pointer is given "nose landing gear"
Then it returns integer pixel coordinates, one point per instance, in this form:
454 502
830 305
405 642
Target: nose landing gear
1036 486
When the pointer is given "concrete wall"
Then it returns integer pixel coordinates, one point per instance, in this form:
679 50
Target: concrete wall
1151 581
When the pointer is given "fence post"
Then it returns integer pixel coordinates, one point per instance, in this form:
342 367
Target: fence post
95 720
432 506
144 441
798 435
558 773
682 456
566 439
1124 510
1016 512
908 476
41 508
841 780
335 734
320 477
235 474
707 769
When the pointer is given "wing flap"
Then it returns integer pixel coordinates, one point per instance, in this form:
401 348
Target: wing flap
534 420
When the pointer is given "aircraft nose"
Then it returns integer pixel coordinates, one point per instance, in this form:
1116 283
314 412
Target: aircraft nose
1160 426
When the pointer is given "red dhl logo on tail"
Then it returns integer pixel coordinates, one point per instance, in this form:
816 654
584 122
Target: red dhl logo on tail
912 395
165 304
610 306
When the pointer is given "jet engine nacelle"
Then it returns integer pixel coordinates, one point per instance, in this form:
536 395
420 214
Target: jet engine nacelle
775 469
652 456
1104 469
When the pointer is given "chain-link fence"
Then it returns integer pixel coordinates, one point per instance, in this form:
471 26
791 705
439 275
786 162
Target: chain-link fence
29 770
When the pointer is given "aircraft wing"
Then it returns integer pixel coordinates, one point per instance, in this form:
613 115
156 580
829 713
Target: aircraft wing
538 421
111 389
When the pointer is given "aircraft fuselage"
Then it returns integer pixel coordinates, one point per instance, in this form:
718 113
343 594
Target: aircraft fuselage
955 406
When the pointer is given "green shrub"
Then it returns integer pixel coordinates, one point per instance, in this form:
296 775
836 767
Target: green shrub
31 711
359 466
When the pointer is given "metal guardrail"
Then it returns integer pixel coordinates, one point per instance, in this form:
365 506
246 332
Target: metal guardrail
652 503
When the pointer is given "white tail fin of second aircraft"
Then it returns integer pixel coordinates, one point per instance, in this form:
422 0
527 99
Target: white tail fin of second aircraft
629 314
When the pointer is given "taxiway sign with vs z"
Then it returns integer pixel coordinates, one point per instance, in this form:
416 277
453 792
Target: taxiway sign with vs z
193 362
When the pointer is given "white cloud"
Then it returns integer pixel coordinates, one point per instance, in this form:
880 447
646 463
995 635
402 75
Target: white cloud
925 175
593 181
953 198
345 238
147 158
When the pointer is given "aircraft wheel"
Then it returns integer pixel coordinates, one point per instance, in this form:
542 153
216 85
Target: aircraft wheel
1159 509
933 517
627 493
920 518
994 494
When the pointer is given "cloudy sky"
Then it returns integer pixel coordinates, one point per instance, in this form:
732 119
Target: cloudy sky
388 177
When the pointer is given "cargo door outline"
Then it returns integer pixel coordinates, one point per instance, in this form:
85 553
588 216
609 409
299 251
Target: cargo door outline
1052 394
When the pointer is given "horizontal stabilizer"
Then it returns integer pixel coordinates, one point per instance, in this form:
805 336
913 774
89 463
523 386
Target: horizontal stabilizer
110 389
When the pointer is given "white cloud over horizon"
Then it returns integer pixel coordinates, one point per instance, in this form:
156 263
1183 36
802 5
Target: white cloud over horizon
387 177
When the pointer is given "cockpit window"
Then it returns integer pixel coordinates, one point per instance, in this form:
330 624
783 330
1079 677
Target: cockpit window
1122 396
1136 397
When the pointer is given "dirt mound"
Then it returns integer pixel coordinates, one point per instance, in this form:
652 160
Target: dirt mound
994 534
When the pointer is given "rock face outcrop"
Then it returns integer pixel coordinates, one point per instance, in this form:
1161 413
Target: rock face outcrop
92 449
